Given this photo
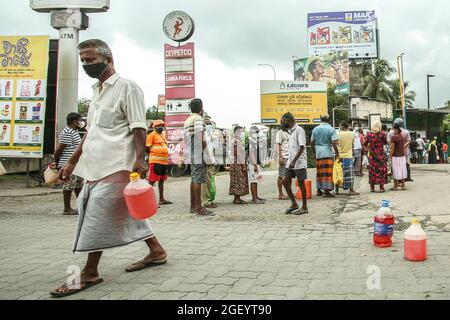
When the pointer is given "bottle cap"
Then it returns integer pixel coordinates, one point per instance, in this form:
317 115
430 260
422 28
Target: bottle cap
385 203
415 221
134 176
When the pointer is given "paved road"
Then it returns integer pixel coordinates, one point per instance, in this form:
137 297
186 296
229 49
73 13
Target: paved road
245 252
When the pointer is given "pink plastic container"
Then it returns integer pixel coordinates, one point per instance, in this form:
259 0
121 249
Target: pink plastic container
415 242
140 198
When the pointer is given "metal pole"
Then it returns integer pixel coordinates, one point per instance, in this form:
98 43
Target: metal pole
67 90
402 97
28 178
269 65
428 90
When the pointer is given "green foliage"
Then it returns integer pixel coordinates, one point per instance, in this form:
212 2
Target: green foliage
377 83
152 114
83 106
337 100
396 101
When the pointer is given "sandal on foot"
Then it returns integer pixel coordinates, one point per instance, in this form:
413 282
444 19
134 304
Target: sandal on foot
283 198
300 212
70 213
141 265
165 202
83 286
291 210
240 202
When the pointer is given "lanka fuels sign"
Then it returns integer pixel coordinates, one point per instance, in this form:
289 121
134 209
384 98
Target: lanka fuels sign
305 100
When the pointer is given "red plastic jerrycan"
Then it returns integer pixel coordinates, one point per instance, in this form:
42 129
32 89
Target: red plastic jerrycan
308 189
140 198
415 242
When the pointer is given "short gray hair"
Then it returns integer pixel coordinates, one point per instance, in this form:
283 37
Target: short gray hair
100 46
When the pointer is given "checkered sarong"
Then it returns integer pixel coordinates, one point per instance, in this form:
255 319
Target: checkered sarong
347 168
325 174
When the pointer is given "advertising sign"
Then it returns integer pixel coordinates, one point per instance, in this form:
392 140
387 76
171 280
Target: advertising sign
175 79
180 93
185 51
352 31
178 106
176 120
178 26
175 134
333 68
23 88
305 100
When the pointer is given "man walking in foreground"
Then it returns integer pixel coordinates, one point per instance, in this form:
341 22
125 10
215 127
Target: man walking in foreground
296 164
113 147
323 141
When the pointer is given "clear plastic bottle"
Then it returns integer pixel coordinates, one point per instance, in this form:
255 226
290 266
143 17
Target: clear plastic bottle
415 242
140 198
383 226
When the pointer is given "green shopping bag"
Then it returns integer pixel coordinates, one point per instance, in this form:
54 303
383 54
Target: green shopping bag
212 191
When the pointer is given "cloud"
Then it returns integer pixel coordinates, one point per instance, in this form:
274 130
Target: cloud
232 37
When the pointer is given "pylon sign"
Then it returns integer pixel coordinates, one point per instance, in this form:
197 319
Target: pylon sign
178 26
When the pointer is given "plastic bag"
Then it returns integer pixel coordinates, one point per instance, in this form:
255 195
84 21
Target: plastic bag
338 173
212 191
50 175
2 169
365 161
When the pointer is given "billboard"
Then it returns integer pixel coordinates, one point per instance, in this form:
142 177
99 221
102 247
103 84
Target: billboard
333 68
23 90
352 31
306 100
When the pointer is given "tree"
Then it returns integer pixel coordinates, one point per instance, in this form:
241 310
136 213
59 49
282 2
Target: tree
410 96
152 114
83 106
337 101
377 84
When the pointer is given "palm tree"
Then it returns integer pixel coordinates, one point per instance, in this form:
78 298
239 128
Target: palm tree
410 96
377 84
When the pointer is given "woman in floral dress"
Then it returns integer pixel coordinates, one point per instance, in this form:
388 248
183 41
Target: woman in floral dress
238 168
378 168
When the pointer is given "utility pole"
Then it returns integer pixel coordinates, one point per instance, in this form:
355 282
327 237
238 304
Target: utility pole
428 88
402 87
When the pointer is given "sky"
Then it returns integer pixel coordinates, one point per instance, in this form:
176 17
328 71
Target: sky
233 37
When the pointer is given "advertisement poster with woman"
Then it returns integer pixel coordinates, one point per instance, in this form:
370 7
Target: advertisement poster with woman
333 68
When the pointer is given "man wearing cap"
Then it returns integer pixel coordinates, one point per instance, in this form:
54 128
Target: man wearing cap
158 158
407 139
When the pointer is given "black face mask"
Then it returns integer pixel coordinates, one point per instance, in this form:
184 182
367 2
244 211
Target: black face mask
284 126
159 130
95 70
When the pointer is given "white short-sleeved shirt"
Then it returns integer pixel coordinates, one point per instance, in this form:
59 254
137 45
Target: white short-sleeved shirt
113 115
297 138
282 139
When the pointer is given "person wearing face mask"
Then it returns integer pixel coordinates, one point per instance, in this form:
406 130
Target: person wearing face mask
207 200
254 165
158 159
195 128
238 166
113 147
69 140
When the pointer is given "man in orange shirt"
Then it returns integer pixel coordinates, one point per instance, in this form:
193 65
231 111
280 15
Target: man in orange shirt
158 158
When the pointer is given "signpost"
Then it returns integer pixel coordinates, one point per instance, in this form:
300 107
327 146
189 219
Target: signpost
179 66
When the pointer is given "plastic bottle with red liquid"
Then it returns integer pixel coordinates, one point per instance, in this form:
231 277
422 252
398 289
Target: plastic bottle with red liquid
383 226
140 198
415 242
